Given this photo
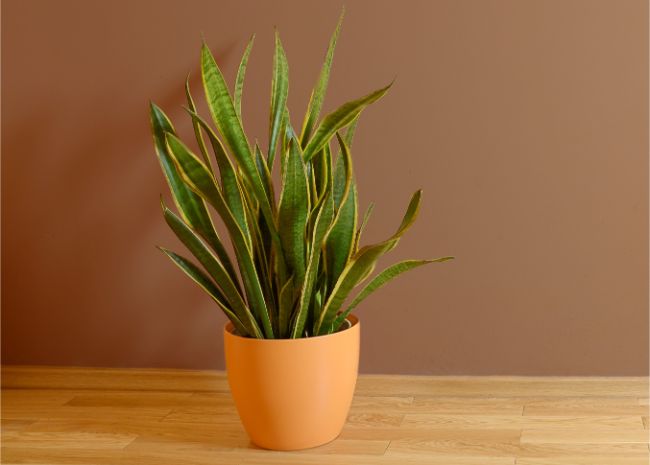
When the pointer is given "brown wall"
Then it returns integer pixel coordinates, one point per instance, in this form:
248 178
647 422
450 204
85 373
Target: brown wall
525 122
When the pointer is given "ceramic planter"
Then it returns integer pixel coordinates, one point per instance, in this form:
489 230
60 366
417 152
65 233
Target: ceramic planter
293 393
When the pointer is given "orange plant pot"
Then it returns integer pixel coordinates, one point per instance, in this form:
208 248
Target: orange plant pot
293 393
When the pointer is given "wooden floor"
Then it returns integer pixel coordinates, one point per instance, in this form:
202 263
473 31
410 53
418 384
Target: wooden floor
105 416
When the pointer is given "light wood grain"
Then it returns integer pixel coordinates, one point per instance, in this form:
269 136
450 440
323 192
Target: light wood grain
585 406
106 416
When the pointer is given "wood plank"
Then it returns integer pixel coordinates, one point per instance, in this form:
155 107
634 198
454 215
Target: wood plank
425 420
243 444
369 385
405 447
149 379
98 413
423 435
501 386
160 431
381 404
374 420
485 443
467 405
613 451
130 399
31 404
578 460
15 425
584 436
191 456
87 456
585 406
69 440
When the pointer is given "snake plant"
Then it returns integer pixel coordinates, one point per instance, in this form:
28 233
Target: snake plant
297 244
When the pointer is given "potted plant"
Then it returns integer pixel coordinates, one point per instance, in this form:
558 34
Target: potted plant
291 345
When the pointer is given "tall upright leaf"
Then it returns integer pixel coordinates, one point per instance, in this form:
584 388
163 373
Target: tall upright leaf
361 265
293 212
318 94
322 225
196 126
197 176
241 73
286 307
279 93
340 118
340 239
190 205
228 123
364 222
214 268
229 180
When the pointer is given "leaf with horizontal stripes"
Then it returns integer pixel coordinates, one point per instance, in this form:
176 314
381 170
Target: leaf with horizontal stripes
293 212
322 225
198 177
241 73
318 94
190 205
338 119
286 307
229 180
205 283
279 93
361 265
214 268
364 222
380 280
196 125
225 117
340 240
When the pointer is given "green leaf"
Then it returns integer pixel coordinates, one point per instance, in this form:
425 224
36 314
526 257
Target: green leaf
364 222
260 243
195 124
360 267
322 225
318 94
241 72
352 129
205 283
340 118
200 180
286 307
229 181
214 268
411 213
343 174
190 205
228 123
293 212
383 278
340 240
265 174
279 93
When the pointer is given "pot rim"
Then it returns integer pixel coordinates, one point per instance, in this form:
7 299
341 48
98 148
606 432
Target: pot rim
229 327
